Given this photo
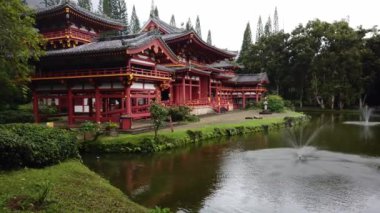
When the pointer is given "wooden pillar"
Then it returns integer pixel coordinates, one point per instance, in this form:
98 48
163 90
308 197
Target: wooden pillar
243 106
158 94
35 108
98 104
128 99
209 88
257 93
70 106
183 90
199 88
191 89
171 94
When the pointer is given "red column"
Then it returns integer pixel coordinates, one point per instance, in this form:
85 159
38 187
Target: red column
191 89
183 90
209 88
128 99
243 100
70 107
158 94
98 101
171 94
35 107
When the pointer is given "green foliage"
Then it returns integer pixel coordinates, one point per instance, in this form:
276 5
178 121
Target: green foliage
209 39
135 22
198 29
47 109
89 126
158 114
194 135
160 210
172 21
16 116
179 113
86 4
20 42
189 25
247 42
29 145
276 103
110 125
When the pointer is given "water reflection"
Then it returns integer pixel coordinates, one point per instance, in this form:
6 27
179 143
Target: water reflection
258 173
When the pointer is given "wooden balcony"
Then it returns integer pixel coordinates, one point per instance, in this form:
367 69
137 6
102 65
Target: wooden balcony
101 73
70 33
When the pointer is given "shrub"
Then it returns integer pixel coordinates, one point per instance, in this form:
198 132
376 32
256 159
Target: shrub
29 145
158 114
16 116
180 113
194 135
47 109
276 103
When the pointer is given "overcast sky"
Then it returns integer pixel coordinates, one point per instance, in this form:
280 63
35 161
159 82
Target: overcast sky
227 19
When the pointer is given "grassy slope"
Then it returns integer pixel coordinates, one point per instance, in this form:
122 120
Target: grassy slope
74 188
179 134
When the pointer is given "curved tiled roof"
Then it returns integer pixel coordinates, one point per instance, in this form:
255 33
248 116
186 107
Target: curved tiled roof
162 25
75 7
249 78
112 44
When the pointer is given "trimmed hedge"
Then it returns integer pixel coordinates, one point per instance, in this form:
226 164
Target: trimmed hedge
15 116
276 103
30 145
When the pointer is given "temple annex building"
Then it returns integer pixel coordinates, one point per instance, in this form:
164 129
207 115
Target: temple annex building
109 78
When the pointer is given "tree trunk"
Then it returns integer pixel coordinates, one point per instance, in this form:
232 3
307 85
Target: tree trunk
320 102
332 102
301 99
341 105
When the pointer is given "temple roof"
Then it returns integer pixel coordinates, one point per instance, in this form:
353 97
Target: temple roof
225 64
78 9
250 78
167 28
112 44
191 33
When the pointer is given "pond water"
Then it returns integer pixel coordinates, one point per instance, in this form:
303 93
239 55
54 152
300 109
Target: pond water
337 171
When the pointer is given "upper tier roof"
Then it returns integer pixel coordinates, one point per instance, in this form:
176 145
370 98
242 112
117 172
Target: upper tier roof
163 26
113 44
250 78
76 8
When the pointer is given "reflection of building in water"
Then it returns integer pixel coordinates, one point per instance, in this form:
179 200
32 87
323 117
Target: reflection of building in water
91 75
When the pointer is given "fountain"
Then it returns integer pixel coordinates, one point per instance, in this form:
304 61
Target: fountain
366 114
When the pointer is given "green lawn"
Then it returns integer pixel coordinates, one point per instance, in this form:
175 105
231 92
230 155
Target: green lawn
73 188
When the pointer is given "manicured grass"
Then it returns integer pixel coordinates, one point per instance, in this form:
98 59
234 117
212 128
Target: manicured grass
128 142
73 188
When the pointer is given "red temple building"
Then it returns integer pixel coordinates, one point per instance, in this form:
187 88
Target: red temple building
100 78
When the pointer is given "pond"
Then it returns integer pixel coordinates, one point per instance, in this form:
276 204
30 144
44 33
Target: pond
327 166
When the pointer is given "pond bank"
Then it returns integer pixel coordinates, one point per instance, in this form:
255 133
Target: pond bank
228 124
71 187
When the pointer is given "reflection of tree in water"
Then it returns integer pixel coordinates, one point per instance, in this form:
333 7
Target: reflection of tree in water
181 178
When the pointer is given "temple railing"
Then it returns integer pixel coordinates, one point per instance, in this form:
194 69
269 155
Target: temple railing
119 71
72 32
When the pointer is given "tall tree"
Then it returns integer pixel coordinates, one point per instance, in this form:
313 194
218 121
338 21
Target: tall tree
156 12
135 22
189 26
48 3
20 42
86 4
268 27
276 27
100 7
209 40
198 27
151 14
172 21
107 7
247 42
259 30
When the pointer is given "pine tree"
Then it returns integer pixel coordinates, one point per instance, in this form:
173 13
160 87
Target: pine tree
189 26
107 7
276 27
260 29
135 22
268 27
198 27
48 3
209 41
152 10
172 21
247 42
100 7
156 12
86 4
